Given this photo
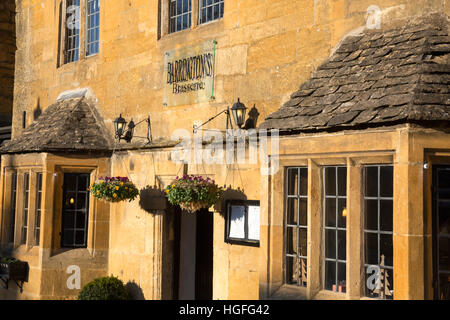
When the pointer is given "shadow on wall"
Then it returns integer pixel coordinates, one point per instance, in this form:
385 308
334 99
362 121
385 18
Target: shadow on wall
153 200
135 291
228 194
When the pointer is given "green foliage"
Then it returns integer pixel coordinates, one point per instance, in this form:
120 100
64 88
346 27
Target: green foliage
193 190
114 189
8 260
106 288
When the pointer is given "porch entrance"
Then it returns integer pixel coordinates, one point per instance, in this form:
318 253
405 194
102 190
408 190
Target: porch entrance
193 271
441 232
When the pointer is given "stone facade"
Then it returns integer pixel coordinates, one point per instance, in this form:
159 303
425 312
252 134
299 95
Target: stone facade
264 51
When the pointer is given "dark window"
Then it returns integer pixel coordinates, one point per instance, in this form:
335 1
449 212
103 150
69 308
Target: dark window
37 225
296 226
72 48
179 15
243 222
378 231
12 222
26 194
211 10
75 212
93 27
335 224
441 232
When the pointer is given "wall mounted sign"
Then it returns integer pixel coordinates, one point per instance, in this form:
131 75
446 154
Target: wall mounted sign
189 74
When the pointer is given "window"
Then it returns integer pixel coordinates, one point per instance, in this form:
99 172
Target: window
179 15
296 226
335 212
12 221
378 230
26 194
93 23
72 31
75 210
243 222
211 10
37 223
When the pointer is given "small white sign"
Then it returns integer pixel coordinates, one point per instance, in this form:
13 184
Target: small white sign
237 222
253 222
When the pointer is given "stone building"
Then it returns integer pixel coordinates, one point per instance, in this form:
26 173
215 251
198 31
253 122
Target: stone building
7 54
358 185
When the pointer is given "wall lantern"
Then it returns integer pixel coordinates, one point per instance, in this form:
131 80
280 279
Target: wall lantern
238 110
120 124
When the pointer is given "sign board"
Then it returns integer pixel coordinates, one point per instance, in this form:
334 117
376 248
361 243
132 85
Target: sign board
243 222
189 74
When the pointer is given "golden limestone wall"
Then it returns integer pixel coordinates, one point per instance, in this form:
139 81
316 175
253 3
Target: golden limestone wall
7 53
265 50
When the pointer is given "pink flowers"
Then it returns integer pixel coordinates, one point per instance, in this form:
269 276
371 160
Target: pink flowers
194 178
112 179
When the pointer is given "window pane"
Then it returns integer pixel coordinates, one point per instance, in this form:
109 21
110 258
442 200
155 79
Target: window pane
386 215
292 209
303 181
303 242
302 268
386 249
342 245
342 181
330 212
330 275
342 219
293 182
444 250
303 212
291 240
69 220
386 181
371 215
341 277
81 220
330 181
330 244
444 217
371 248
79 238
371 182
291 270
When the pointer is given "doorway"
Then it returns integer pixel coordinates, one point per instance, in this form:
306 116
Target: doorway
441 232
193 272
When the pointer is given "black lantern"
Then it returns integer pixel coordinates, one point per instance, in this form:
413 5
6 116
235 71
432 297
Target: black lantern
119 125
128 135
239 111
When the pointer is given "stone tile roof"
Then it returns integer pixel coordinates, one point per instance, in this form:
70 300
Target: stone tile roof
376 78
68 125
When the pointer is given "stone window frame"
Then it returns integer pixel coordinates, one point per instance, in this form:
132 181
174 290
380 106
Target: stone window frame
20 201
83 33
60 170
164 18
354 244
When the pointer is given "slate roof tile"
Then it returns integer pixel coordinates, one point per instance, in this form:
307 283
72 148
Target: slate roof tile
378 77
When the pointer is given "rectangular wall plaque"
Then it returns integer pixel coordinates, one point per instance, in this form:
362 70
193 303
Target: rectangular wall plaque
189 74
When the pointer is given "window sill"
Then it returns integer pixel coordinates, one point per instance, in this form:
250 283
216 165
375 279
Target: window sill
289 292
205 31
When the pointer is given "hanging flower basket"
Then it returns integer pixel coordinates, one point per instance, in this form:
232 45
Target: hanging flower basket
114 189
193 193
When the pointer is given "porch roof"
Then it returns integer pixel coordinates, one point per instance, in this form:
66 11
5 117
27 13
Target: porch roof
72 124
376 78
